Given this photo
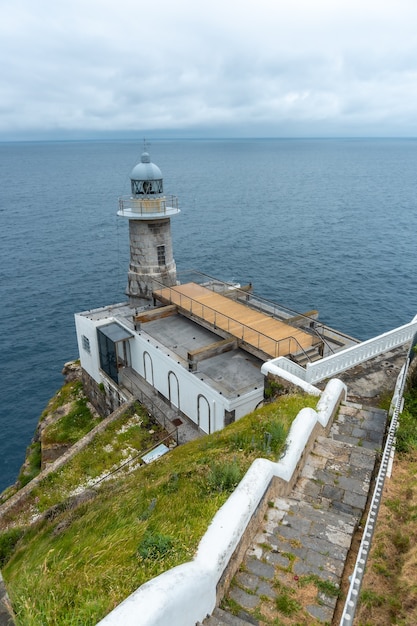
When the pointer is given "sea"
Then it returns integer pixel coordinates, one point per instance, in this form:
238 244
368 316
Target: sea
327 224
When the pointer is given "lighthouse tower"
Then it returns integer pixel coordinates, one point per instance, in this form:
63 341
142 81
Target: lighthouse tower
149 212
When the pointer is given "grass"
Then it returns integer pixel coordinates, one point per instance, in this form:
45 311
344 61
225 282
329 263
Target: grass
8 541
32 466
389 590
326 587
132 433
66 393
72 426
285 604
64 429
81 560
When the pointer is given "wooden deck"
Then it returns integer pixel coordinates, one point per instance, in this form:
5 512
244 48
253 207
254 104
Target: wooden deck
270 336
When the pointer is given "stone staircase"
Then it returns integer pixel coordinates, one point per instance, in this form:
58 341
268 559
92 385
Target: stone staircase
301 548
223 618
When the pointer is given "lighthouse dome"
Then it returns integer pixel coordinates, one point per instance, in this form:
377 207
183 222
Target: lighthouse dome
146 177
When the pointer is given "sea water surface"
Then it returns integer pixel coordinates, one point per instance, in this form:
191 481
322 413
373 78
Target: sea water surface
326 224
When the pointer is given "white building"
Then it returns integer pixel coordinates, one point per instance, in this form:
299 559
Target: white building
197 346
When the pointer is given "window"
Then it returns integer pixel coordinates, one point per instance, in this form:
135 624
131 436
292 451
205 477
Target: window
85 343
146 187
161 255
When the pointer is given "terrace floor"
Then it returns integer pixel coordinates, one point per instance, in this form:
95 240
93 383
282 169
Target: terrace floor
259 330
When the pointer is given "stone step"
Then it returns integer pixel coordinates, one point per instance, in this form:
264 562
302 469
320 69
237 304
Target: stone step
219 617
360 426
309 355
307 535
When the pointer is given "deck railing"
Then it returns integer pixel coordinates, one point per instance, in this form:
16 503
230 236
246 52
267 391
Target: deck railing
277 311
247 334
145 205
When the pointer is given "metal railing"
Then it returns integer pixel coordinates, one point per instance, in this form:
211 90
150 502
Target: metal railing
150 405
145 205
247 334
258 303
356 578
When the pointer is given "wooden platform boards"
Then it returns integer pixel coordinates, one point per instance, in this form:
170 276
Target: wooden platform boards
258 330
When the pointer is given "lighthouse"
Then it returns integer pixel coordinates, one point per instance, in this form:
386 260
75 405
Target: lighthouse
149 212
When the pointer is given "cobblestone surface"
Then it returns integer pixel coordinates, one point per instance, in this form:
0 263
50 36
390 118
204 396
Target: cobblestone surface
308 534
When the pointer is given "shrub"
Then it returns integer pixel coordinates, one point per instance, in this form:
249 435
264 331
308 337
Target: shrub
8 541
224 476
406 436
154 545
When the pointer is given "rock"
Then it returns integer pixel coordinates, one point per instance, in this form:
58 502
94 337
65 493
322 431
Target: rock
72 371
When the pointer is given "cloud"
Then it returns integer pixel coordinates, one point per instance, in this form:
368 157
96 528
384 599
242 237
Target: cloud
326 67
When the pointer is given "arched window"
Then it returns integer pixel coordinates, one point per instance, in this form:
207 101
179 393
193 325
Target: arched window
148 368
203 414
173 389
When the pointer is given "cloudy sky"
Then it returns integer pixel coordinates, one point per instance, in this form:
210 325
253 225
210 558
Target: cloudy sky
223 68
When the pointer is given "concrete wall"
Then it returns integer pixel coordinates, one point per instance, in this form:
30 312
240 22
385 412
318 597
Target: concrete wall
196 585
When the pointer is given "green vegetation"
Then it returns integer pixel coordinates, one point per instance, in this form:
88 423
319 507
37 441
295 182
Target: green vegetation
389 592
273 388
224 476
155 545
8 541
72 426
370 598
133 433
65 428
32 466
286 604
327 587
67 393
406 435
82 557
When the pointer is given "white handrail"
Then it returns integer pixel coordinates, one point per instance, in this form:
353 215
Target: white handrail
345 359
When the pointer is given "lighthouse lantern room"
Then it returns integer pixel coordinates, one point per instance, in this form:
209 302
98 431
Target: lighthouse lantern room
149 212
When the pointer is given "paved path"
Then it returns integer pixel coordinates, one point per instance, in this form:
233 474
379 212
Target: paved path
292 572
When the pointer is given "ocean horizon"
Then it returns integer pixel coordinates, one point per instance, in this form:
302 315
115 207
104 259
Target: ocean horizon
323 224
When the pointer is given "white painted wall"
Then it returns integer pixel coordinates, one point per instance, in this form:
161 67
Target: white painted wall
150 360
89 362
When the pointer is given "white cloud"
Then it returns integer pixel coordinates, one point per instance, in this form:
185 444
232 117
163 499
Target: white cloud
262 67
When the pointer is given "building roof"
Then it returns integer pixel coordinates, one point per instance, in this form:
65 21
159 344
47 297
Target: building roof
253 328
